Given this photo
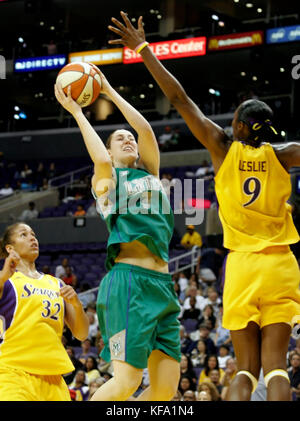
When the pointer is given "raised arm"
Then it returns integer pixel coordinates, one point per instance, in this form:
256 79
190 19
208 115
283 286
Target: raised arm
148 147
206 131
288 154
96 148
8 269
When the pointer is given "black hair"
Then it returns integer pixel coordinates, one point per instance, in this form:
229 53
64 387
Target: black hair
206 367
6 239
257 115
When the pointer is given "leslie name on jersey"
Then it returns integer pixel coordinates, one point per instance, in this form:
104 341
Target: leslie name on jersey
253 166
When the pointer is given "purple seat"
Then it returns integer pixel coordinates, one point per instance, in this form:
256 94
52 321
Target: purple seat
90 276
87 261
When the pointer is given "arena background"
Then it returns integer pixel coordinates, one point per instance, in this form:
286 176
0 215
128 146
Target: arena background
34 129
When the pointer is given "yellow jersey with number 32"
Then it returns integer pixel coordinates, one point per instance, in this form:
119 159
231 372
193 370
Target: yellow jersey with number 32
31 326
252 189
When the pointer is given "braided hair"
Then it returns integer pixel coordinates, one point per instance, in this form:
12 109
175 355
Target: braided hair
257 115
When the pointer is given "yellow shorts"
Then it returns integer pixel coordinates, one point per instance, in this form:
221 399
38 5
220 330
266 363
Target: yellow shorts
17 385
262 287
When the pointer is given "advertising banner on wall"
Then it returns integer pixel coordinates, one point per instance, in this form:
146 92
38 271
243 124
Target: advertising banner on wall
231 41
187 47
284 34
99 57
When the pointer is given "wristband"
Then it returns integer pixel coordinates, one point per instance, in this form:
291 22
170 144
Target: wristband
141 46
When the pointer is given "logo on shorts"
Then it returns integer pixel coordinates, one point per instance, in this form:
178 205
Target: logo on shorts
117 345
116 348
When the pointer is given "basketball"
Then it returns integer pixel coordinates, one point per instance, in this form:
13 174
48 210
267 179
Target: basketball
84 80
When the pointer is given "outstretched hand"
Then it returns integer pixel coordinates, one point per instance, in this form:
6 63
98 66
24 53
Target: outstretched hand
129 35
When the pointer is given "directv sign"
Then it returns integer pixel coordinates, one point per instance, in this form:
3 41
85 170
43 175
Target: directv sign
40 63
284 34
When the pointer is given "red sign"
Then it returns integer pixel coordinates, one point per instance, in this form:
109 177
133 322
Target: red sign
226 42
170 49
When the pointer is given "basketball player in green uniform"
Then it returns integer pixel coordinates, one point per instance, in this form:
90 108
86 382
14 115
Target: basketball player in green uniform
137 305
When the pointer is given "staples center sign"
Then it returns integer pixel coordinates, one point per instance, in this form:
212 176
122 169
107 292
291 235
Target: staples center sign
245 39
170 49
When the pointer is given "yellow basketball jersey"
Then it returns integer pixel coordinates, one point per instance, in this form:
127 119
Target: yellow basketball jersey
31 326
252 188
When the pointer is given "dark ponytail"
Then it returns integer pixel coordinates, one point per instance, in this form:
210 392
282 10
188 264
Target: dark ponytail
257 115
6 239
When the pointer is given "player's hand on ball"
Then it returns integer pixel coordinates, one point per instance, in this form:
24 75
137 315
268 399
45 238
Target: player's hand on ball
66 100
105 85
69 295
10 265
129 35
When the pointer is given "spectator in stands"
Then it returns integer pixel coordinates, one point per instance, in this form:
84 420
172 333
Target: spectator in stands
210 263
211 391
88 296
165 139
214 376
199 354
80 211
51 48
224 355
29 213
40 174
208 315
79 385
68 377
94 385
205 170
7 190
211 363
90 367
61 270
222 335
294 374
183 281
46 270
203 333
45 185
229 374
51 171
93 326
26 172
192 312
70 278
91 307
186 344
192 291
185 383
92 211
191 238
214 301
186 368
177 397
86 351
189 396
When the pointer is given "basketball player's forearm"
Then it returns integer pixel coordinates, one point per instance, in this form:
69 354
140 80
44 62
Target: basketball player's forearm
78 322
167 82
93 143
134 118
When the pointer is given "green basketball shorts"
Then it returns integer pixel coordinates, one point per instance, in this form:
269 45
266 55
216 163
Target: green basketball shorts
138 312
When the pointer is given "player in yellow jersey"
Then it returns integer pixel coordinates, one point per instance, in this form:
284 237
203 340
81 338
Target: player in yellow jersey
33 308
261 293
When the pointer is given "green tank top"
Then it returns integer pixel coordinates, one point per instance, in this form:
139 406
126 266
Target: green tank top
137 209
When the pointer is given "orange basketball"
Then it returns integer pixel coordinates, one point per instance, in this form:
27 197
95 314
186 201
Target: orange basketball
85 82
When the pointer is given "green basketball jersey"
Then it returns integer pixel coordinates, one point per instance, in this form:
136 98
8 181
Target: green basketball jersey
137 209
